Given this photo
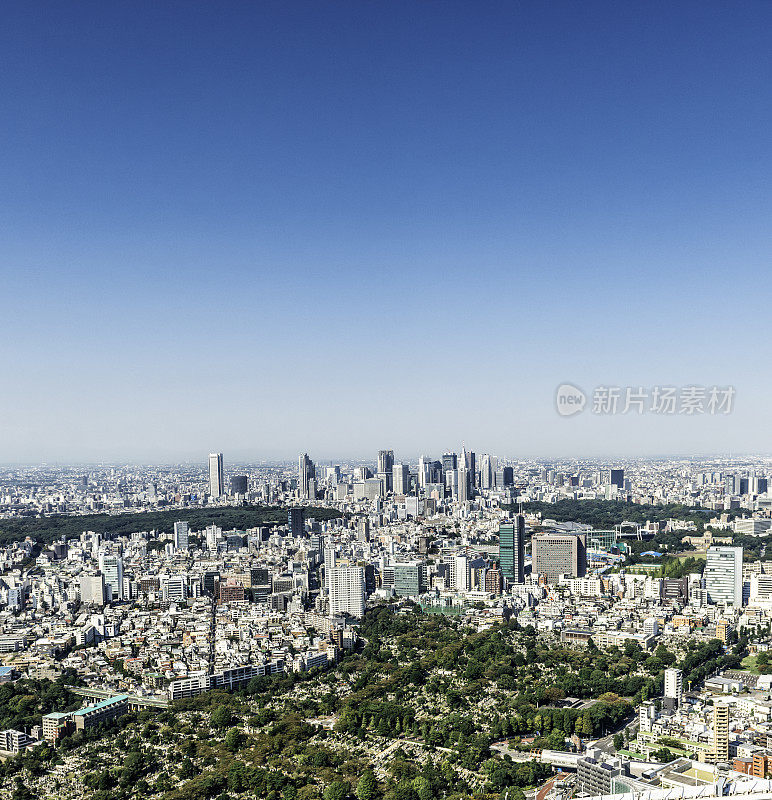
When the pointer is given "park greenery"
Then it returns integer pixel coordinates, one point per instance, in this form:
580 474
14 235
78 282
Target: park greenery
50 528
605 514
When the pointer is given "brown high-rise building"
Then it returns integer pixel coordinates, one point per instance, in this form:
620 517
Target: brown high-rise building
556 554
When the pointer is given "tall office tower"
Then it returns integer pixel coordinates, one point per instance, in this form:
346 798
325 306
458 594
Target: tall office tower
512 549
466 460
616 477
721 732
505 476
346 586
674 685
216 475
556 554
451 483
424 471
761 485
306 473
111 567
295 520
239 484
731 484
401 478
488 466
723 575
449 462
487 475
181 531
463 485
385 467
461 573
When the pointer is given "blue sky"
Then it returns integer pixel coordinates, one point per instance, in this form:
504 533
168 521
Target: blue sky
270 227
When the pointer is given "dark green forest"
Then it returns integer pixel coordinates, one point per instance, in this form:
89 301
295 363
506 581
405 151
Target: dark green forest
49 529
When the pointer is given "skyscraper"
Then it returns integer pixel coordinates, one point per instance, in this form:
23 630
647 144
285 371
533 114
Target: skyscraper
401 478
295 517
488 466
111 567
461 564
181 530
306 473
216 475
512 549
449 462
464 481
424 471
723 575
385 467
616 477
346 586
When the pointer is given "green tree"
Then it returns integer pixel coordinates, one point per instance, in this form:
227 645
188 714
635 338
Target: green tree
221 717
234 739
367 787
337 790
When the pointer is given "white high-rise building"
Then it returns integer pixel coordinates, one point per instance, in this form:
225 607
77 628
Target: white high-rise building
674 685
181 531
111 567
462 574
216 475
401 481
346 586
463 485
723 576
92 589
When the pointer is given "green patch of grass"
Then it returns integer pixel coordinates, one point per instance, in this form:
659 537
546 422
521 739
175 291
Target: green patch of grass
749 665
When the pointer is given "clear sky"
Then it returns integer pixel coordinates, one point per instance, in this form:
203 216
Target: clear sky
267 227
